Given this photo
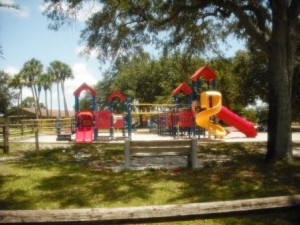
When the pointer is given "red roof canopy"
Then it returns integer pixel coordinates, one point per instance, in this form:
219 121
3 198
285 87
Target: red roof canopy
207 73
117 94
182 87
86 87
85 113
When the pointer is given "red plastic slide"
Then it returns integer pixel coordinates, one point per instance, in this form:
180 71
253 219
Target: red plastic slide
238 122
84 135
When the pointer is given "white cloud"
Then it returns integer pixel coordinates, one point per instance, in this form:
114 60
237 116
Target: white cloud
22 12
87 10
81 74
92 54
11 70
80 14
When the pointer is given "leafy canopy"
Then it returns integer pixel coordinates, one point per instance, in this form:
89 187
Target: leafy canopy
125 27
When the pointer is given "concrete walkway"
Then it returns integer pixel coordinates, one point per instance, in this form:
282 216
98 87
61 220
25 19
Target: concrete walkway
233 136
162 162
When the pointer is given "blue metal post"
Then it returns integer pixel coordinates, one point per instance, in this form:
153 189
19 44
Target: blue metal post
214 84
123 117
94 119
76 110
111 129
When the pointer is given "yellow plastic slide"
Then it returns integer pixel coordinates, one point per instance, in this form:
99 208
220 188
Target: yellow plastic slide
212 102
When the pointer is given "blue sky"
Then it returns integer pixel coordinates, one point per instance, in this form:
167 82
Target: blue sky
24 35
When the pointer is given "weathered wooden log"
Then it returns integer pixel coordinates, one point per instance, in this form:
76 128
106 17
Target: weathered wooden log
144 214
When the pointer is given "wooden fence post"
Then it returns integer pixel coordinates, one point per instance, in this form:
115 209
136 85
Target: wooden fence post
22 128
36 134
193 155
127 153
5 139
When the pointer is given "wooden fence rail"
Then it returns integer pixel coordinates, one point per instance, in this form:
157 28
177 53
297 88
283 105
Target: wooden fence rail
145 214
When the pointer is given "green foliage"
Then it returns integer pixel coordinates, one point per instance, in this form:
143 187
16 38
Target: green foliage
86 102
29 102
148 80
153 80
6 94
250 72
126 27
250 114
59 72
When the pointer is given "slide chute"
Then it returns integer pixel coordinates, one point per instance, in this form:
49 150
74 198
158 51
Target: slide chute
243 125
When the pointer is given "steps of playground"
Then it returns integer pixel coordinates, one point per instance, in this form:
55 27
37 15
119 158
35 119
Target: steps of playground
142 131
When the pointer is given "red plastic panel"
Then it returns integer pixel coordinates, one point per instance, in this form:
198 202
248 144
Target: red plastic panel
85 119
103 119
119 123
186 118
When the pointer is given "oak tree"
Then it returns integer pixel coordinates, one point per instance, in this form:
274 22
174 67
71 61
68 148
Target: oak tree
120 27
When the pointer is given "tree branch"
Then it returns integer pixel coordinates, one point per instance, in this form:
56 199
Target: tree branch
258 33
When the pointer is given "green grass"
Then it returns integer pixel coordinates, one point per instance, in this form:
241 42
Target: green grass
78 176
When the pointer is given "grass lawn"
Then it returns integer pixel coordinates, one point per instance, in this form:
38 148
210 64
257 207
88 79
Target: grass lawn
78 176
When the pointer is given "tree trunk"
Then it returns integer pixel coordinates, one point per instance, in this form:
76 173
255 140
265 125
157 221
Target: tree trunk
46 102
21 96
35 104
58 99
51 101
37 101
281 68
64 98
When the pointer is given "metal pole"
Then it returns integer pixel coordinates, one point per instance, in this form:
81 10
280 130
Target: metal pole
129 117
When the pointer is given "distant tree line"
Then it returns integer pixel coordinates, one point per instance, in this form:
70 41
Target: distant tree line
242 79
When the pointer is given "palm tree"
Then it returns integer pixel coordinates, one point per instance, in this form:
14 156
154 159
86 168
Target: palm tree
30 72
45 81
17 82
61 72
54 71
66 74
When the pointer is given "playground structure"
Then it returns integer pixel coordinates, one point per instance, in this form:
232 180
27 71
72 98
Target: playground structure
85 120
89 123
199 113
212 102
194 117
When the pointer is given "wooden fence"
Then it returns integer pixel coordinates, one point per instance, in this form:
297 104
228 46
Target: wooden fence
32 128
4 131
147 214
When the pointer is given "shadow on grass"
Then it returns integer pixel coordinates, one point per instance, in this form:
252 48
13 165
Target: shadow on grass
66 179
